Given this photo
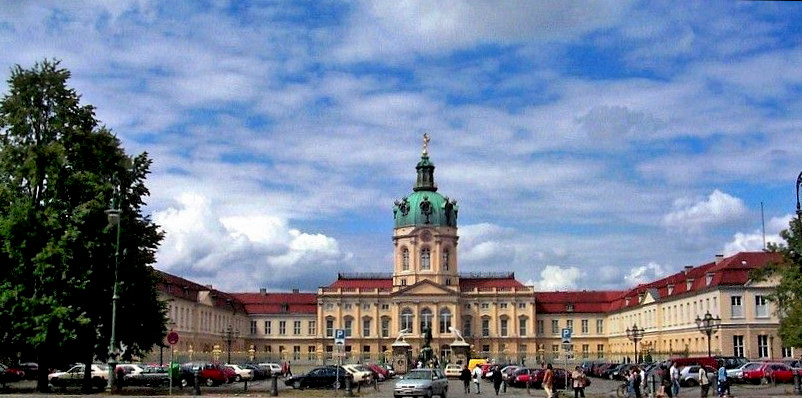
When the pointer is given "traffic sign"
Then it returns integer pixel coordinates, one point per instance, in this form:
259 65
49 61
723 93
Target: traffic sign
172 338
339 336
566 334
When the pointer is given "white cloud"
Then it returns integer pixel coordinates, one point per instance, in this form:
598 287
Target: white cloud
555 277
695 214
202 246
645 273
753 241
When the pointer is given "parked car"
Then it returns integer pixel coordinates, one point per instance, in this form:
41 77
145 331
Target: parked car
10 374
422 383
508 372
452 370
730 362
360 373
737 374
31 370
390 369
75 376
150 376
322 377
769 371
128 368
689 375
559 378
240 374
211 374
259 373
380 372
520 377
274 368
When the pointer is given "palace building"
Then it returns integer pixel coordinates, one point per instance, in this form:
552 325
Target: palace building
498 316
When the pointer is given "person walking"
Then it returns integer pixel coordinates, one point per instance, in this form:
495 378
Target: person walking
465 376
477 378
548 381
497 378
665 378
674 380
644 385
579 382
723 383
704 381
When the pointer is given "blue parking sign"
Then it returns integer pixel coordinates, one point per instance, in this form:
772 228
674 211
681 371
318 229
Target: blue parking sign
339 336
566 334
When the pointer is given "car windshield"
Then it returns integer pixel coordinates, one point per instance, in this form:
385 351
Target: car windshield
752 366
419 375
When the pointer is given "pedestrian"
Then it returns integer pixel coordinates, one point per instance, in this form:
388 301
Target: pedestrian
477 378
704 381
289 370
723 382
644 390
465 376
497 379
665 382
548 381
674 380
635 375
579 382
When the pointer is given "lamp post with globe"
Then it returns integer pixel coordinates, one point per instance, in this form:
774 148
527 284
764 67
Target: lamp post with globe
635 335
708 326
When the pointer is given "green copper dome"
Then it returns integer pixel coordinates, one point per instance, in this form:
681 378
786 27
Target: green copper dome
424 206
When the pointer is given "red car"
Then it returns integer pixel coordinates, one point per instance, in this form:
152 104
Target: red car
768 372
9 374
381 373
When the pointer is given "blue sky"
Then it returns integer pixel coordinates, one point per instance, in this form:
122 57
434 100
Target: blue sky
591 145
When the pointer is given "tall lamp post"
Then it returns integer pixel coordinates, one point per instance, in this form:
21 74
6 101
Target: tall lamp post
798 208
231 334
635 335
708 326
113 215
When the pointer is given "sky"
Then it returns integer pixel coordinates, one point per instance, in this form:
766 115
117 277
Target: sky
589 144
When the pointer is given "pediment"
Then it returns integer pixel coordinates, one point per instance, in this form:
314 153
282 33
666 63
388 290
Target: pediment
426 288
651 296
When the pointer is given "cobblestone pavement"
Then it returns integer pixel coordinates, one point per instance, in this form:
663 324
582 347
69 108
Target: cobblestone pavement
598 388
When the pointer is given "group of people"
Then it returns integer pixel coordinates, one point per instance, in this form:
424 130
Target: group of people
670 382
499 384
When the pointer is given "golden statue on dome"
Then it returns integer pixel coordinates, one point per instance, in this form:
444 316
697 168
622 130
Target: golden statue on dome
426 140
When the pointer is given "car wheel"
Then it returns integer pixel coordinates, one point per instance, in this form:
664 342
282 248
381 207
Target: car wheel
429 393
296 385
238 378
184 382
209 382
690 382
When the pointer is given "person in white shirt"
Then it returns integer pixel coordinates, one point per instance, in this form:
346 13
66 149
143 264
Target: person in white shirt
477 377
674 372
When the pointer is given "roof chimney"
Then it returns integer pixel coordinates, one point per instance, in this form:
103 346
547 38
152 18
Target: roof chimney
209 287
296 290
688 269
719 257
263 291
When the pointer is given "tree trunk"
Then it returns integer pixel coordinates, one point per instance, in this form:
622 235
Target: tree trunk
42 384
86 386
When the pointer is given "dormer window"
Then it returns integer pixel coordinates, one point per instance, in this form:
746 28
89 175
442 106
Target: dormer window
670 289
641 297
688 284
708 278
626 301
285 308
569 307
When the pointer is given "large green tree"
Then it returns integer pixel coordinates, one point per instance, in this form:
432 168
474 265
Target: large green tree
59 171
788 294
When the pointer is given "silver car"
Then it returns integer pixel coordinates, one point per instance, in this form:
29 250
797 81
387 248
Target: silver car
422 383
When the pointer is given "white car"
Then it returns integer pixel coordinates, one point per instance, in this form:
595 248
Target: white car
242 374
738 373
361 374
274 368
75 376
452 370
130 368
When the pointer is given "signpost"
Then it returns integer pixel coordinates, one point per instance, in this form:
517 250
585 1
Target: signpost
339 342
566 337
172 338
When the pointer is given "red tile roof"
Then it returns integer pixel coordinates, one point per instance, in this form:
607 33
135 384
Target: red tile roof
468 283
363 283
179 287
582 301
278 303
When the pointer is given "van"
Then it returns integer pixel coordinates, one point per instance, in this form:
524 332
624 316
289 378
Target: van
472 363
701 361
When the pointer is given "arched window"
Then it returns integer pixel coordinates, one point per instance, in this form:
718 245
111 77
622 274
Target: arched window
425 258
445 320
406 319
404 259
348 326
445 260
425 319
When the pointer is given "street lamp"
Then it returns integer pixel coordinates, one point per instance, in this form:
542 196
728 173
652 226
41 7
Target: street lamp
231 334
635 335
798 208
113 215
708 325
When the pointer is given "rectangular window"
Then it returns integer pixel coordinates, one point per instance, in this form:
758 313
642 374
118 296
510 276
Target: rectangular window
761 307
762 346
329 306
569 324
585 351
366 327
555 351
253 327
296 327
467 327
555 326
365 306
312 328
485 328
503 305
348 306
310 353
522 327
268 327
522 305
349 324
584 326
329 327
600 326
385 307
282 327
738 346
385 327
737 310
788 352
600 351
485 348
540 327
504 323
485 306
296 352
468 306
